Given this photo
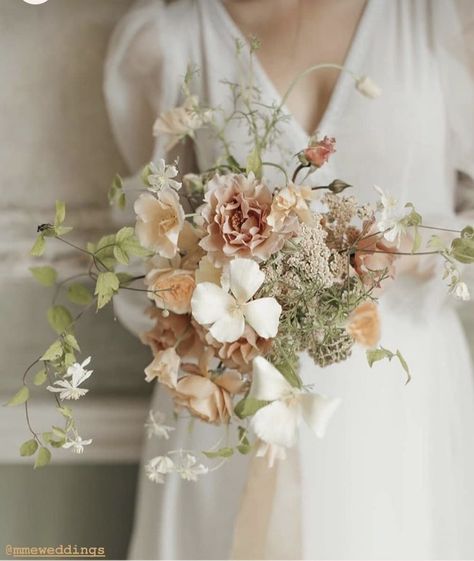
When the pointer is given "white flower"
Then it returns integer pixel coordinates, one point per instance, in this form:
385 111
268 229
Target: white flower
277 423
77 444
227 313
155 426
69 389
161 176
157 467
461 291
188 468
391 218
366 86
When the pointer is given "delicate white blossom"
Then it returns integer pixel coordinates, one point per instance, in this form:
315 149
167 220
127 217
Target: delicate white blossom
158 467
461 291
366 86
188 467
277 423
161 176
391 217
155 425
69 389
77 444
227 312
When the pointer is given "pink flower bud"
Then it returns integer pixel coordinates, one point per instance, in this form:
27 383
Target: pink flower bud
318 152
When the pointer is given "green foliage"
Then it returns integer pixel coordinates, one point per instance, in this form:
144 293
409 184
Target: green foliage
289 373
462 248
71 342
374 355
248 406
59 318
254 162
20 397
44 275
221 453
54 352
244 446
29 447
40 377
116 194
38 247
107 285
42 458
79 294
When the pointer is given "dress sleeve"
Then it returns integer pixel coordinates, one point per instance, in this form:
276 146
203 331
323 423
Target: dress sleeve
142 77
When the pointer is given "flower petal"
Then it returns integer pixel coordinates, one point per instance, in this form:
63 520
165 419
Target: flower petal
264 316
209 303
318 410
268 382
277 423
245 278
228 328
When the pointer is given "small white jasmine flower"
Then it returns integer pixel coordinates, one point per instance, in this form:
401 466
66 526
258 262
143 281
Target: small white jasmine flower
157 467
69 389
189 469
461 291
77 444
161 176
366 86
227 313
155 426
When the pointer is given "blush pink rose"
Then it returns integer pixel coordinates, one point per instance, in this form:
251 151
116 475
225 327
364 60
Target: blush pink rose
319 151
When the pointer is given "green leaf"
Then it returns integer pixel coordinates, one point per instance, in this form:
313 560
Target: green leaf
121 255
248 406
40 378
125 233
54 352
69 359
38 247
462 249
61 230
124 278
289 373
71 341
244 446
44 275
59 318
404 364
221 453
43 457
436 243
79 294
374 355
132 246
60 213
29 447
20 397
58 432
254 162
65 411
107 285
121 201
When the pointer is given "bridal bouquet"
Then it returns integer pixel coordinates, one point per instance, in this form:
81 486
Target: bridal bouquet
243 275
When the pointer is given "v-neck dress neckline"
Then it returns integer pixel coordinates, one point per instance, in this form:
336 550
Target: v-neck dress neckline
342 88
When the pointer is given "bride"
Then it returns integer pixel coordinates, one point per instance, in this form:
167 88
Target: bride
394 477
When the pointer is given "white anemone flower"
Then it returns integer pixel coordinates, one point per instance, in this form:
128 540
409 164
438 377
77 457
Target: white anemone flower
77 444
161 176
227 312
69 389
189 469
277 423
158 467
391 218
155 425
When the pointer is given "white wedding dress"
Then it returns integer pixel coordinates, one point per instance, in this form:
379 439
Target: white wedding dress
394 476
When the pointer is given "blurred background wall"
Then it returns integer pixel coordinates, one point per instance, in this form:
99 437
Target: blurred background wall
55 143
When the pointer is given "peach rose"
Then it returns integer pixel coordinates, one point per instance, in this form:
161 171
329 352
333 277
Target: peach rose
290 202
239 354
208 395
171 329
171 289
364 325
319 151
235 217
160 220
165 367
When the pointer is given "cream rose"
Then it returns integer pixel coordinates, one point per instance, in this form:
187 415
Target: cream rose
171 289
164 367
